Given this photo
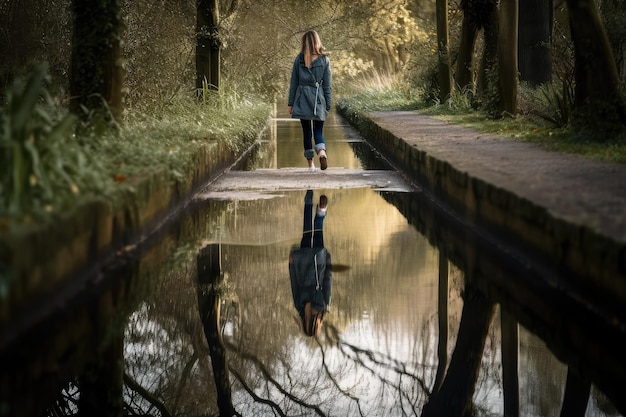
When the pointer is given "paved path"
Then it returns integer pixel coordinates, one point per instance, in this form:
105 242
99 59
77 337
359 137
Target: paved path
570 187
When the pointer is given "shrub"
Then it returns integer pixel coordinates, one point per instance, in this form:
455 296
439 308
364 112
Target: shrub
44 167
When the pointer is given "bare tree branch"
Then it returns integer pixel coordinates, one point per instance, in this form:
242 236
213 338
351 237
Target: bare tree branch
355 353
255 397
270 379
157 403
334 381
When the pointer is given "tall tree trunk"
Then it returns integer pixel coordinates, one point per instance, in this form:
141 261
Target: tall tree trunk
507 52
510 363
208 46
576 395
209 281
455 396
535 37
463 77
488 82
613 14
442 314
102 381
597 105
96 75
445 75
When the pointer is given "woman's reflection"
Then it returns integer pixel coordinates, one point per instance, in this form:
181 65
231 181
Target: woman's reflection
310 268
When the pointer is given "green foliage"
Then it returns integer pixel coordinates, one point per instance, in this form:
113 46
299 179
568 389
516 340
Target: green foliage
44 167
170 136
458 110
359 36
459 101
552 103
380 92
489 94
158 51
260 40
34 31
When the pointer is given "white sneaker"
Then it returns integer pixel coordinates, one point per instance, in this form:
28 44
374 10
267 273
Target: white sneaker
312 167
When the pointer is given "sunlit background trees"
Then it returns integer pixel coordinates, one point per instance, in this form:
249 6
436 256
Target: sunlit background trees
558 63
258 39
169 47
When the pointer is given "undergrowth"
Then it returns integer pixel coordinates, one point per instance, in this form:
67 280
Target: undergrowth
47 168
542 120
378 92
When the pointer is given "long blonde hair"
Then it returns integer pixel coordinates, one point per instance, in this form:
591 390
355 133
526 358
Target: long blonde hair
312 320
311 45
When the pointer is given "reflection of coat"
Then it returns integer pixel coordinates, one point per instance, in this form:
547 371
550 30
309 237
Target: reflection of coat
311 278
310 89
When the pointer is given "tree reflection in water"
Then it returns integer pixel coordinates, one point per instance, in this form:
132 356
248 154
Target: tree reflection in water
383 346
370 358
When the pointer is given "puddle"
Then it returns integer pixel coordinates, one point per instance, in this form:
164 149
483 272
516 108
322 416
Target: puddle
388 328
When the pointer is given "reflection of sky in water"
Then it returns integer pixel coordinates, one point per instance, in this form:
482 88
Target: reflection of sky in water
389 287
384 306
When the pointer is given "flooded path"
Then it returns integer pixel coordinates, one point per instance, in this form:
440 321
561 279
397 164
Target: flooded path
403 322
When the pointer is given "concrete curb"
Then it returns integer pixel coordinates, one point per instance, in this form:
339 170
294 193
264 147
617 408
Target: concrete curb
42 259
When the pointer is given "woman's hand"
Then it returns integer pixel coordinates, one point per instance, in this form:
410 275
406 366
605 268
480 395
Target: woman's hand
290 109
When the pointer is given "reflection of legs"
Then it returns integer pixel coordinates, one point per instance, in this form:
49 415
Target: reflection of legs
318 222
318 235
312 231
307 227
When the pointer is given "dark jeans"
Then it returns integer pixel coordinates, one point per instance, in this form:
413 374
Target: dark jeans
312 129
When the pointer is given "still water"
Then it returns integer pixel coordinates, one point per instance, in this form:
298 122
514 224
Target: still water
388 328
378 351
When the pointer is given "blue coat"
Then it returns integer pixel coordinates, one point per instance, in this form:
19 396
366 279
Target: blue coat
310 89
311 278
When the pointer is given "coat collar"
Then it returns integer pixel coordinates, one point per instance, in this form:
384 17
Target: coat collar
320 61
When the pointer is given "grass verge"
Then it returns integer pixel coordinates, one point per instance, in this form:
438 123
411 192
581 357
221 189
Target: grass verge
393 96
46 168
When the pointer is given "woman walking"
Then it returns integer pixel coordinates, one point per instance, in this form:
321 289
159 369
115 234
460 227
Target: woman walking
310 268
310 96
